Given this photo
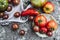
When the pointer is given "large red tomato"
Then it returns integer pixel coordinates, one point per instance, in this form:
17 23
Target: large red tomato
40 20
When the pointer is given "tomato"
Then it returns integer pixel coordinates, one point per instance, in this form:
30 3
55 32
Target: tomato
48 7
43 30
24 13
52 25
49 34
38 3
15 2
30 12
31 18
40 20
36 28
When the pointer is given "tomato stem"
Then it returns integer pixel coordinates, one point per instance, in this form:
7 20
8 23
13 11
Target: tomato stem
39 21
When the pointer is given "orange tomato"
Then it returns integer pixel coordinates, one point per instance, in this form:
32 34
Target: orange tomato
52 25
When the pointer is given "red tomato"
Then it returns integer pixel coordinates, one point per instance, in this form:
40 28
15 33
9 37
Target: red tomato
30 12
43 30
49 34
52 25
24 13
40 20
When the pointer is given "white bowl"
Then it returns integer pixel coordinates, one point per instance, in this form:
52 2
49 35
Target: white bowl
49 17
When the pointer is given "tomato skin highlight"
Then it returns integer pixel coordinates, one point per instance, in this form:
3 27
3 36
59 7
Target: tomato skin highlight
40 21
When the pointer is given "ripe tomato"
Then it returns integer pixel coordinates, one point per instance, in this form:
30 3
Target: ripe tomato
48 7
52 25
40 20
49 34
43 30
36 28
30 12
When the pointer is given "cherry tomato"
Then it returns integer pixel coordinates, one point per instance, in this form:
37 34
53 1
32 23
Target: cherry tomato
22 32
15 26
9 1
36 28
17 14
43 30
49 34
6 16
1 15
31 18
16 2
9 8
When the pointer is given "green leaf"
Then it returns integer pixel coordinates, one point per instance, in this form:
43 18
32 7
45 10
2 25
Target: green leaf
39 21
38 11
47 9
52 29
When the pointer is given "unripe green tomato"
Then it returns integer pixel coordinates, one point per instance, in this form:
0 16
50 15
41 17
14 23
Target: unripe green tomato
3 5
38 3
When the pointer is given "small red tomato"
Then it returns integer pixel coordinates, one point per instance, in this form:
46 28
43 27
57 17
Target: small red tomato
49 34
15 26
17 14
22 32
1 15
16 2
6 16
9 8
9 1
40 20
43 30
36 28
31 18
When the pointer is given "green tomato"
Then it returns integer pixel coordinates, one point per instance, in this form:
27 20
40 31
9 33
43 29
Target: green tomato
3 5
38 3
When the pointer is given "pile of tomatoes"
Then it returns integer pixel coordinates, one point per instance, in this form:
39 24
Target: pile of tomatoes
41 23
43 26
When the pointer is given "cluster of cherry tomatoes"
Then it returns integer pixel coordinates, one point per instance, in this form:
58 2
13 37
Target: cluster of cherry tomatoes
9 8
15 26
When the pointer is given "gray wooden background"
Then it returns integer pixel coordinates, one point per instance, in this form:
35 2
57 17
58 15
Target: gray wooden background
7 34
